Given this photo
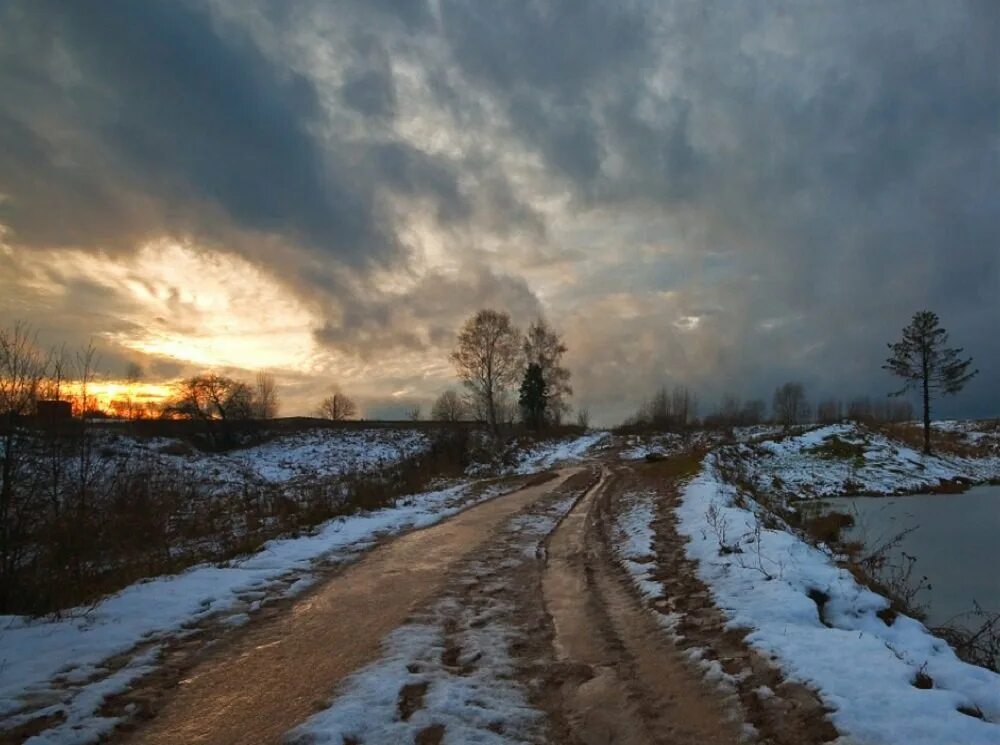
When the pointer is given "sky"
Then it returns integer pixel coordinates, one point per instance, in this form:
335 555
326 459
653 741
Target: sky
724 195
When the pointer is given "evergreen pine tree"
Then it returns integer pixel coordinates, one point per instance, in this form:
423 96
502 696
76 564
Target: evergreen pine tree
534 396
925 363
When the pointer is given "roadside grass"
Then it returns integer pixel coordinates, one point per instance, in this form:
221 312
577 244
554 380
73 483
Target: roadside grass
128 518
945 442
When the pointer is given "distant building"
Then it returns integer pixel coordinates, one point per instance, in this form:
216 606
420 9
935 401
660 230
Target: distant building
53 411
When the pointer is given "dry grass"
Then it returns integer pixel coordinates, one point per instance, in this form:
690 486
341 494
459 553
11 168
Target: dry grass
129 518
827 528
942 443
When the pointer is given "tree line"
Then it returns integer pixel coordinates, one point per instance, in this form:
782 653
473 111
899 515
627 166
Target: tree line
507 376
921 358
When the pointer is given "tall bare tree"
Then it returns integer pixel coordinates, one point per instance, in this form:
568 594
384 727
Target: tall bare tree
449 407
544 347
487 358
925 363
265 396
683 405
829 411
337 407
790 406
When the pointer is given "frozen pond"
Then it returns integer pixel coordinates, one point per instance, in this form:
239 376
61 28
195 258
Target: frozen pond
956 543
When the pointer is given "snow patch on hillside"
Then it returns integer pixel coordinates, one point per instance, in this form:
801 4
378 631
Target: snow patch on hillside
848 459
634 542
638 447
289 457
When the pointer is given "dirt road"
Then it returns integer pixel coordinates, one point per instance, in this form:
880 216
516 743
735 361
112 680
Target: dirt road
279 672
529 599
641 690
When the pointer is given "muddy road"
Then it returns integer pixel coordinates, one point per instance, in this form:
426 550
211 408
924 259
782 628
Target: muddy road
274 676
514 621
640 690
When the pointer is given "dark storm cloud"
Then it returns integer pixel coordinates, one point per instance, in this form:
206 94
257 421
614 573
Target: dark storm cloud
124 120
369 87
156 98
844 158
427 314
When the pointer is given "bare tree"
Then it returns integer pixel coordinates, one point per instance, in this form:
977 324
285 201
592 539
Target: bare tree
265 396
729 410
488 360
85 364
22 370
658 409
212 397
544 347
790 406
859 409
133 376
449 407
413 413
337 407
583 417
732 412
753 412
829 411
925 363
683 405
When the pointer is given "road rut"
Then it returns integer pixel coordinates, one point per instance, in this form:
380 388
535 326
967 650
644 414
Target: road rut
635 688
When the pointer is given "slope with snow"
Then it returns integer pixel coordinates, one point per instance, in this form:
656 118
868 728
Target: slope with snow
849 459
287 457
822 627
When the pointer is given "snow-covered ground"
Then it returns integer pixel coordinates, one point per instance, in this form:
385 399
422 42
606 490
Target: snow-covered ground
983 435
635 551
61 665
849 459
472 693
638 447
821 626
549 453
634 542
287 458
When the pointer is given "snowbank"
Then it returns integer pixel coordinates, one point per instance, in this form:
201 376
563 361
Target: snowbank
821 627
634 542
638 447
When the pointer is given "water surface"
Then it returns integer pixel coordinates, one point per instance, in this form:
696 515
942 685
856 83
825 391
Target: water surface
956 541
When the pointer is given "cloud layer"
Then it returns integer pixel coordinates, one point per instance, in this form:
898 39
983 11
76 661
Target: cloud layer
721 194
